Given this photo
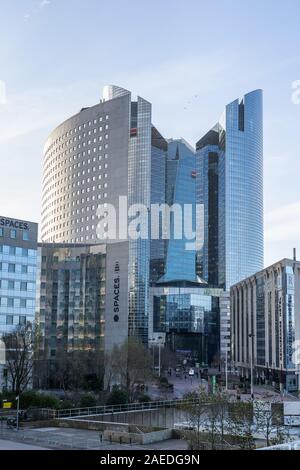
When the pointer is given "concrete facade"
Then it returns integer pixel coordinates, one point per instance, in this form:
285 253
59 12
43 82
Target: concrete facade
265 314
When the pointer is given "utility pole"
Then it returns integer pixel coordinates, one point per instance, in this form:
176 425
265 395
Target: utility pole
226 371
251 335
159 362
18 408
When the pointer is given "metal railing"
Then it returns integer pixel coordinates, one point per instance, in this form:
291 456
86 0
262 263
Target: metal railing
110 409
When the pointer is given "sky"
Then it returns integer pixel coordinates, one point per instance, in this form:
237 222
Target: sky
188 58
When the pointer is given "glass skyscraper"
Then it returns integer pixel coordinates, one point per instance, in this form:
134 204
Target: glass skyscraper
181 192
104 152
230 184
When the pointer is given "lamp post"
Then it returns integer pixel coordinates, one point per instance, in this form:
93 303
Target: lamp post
251 335
226 371
158 342
18 408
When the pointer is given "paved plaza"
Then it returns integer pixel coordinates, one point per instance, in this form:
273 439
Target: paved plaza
70 438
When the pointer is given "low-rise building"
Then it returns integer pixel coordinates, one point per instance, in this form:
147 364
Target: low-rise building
18 263
265 314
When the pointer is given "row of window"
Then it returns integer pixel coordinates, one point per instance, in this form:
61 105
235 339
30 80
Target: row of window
55 182
62 163
13 234
23 286
13 320
16 302
17 251
75 130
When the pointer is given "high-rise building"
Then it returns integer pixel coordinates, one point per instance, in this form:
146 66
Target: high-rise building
104 152
230 185
180 263
265 315
18 263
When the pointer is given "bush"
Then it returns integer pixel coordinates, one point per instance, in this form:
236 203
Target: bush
32 399
88 401
66 404
144 398
163 380
118 396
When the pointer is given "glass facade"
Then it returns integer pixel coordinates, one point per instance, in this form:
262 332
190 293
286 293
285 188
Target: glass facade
18 261
210 191
190 318
181 191
230 166
139 186
71 298
159 148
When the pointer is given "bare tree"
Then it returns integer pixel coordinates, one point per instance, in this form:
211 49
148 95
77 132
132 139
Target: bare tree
196 408
19 357
208 418
268 420
131 366
241 424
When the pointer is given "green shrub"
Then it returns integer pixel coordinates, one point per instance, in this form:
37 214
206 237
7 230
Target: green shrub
88 401
163 381
118 396
144 398
32 399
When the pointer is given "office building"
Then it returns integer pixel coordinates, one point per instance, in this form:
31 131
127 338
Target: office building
187 316
230 185
82 303
181 197
104 152
265 313
18 262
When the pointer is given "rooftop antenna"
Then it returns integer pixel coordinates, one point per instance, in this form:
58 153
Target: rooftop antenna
294 254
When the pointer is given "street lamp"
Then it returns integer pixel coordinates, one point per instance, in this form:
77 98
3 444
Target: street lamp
18 408
226 370
251 335
159 353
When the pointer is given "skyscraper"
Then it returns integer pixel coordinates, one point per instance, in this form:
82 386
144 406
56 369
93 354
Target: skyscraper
104 152
181 192
230 185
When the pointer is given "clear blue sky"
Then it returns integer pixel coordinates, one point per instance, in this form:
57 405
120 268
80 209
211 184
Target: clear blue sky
189 58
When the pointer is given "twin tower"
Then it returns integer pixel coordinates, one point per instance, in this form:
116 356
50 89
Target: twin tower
113 150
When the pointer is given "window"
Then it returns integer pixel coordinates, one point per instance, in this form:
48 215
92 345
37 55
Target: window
10 302
25 236
9 319
23 303
24 269
22 320
23 286
11 268
1 232
12 250
11 285
13 234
